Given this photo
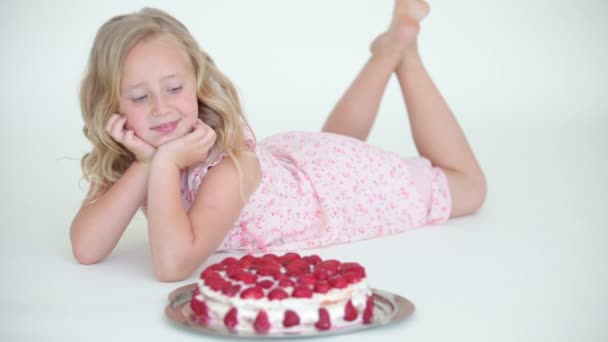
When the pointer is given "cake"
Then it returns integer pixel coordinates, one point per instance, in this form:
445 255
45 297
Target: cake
284 293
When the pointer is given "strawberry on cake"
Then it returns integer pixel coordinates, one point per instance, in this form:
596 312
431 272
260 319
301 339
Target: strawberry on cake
282 293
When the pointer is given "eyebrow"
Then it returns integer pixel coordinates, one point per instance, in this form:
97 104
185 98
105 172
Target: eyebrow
143 83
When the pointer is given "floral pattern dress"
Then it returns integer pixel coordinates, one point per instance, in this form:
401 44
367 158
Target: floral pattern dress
319 189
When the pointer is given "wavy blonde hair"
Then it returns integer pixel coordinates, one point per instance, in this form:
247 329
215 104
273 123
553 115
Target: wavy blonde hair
218 102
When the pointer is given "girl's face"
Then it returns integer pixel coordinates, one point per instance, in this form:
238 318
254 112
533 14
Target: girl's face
158 91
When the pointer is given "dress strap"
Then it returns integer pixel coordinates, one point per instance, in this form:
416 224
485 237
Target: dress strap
248 133
242 234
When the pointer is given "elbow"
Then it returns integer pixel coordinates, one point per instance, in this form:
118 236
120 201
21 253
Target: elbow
171 271
84 256
479 192
84 252
178 266
469 192
170 276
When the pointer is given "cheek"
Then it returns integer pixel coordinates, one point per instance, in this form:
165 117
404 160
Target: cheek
135 120
190 108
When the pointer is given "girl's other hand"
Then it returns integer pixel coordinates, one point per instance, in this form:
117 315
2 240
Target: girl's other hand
116 127
190 149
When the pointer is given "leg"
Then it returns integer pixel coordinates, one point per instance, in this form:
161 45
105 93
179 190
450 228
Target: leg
438 135
355 112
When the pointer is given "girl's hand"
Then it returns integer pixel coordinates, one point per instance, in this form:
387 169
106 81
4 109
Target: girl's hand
116 128
190 149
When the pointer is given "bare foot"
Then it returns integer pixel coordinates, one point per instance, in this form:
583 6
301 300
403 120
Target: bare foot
403 30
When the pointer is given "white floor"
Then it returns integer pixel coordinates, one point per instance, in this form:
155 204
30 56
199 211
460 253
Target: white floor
526 80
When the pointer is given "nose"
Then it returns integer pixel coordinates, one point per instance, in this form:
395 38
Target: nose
160 105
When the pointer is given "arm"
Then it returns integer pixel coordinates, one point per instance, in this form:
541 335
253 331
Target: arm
98 226
180 241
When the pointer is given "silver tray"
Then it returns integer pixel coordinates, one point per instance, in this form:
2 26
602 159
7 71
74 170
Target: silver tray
389 308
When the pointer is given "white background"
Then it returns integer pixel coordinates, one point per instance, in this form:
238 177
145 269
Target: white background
527 80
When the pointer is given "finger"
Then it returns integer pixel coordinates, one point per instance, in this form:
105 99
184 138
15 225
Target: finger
201 131
211 135
209 139
111 120
194 136
205 128
208 144
197 125
204 124
130 139
118 129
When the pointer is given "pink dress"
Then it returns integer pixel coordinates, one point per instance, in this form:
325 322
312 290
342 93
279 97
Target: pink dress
319 189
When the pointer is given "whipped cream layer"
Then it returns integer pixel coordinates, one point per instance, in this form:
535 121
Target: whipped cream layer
334 301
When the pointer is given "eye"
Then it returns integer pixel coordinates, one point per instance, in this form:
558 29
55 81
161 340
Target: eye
139 98
176 89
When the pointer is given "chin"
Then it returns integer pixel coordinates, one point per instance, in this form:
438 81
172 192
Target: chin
168 138
165 140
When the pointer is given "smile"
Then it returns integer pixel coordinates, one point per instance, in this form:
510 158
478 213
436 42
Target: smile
167 127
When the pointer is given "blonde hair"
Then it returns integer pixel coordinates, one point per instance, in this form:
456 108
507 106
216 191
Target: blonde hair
218 101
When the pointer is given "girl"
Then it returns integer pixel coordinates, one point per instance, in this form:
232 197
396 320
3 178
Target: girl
169 137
